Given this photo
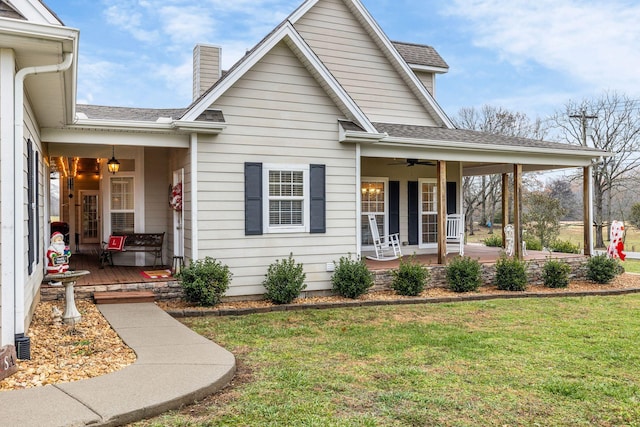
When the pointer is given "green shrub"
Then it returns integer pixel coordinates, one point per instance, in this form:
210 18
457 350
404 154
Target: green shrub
410 277
511 274
602 269
555 274
565 246
284 281
533 244
351 278
494 241
204 282
464 274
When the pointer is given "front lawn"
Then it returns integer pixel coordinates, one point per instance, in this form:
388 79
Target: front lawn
548 361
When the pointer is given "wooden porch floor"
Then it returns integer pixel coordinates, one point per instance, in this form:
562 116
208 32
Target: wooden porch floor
484 254
88 260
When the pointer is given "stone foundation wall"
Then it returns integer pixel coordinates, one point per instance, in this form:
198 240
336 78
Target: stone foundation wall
162 290
437 279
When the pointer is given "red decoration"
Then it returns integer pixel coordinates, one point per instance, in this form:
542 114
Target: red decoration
176 197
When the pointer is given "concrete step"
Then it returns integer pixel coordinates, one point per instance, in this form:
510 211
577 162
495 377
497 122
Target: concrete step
121 297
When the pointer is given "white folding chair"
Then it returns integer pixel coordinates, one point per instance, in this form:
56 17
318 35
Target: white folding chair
392 242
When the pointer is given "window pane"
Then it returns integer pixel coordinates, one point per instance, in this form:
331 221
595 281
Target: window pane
372 202
122 193
286 184
122 222
285 212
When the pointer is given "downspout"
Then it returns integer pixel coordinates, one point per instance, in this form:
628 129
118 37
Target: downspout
18 194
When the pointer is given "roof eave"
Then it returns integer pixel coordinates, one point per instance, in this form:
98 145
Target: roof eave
173 126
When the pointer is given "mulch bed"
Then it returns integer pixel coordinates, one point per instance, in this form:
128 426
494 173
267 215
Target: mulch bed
62 353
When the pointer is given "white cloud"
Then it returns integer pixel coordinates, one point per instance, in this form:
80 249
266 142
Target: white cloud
131 20
596 43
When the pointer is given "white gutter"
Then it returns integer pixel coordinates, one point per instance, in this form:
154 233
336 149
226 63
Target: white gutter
18 181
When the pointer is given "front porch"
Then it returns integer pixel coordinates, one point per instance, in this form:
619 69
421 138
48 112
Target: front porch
112 278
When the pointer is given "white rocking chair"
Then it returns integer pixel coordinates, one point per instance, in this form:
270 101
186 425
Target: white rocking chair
455 232
391 242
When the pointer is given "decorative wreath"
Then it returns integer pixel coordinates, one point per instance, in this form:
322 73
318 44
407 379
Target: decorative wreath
175 199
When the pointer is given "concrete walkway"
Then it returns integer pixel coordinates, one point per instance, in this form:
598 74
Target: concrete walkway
175 366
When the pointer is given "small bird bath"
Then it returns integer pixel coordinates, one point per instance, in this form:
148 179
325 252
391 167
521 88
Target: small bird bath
71 314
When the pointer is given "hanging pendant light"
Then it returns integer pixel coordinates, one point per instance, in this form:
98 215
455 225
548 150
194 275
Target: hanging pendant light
113 164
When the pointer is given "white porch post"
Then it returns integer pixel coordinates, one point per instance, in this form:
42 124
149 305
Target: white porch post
358 200
194 195
587 197
7 180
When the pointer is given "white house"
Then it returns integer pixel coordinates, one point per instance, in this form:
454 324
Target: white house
323 122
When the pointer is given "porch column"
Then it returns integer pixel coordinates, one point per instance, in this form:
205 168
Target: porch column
587 203
505 205
517 194
442 211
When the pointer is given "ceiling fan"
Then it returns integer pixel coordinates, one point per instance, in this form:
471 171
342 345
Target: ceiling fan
413 162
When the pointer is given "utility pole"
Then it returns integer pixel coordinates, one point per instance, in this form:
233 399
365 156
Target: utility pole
583 122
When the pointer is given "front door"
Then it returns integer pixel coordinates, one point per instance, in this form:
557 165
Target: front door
90 223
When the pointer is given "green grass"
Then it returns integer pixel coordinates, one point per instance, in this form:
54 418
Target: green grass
561 361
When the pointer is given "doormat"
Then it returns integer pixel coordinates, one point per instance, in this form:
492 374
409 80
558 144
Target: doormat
156 274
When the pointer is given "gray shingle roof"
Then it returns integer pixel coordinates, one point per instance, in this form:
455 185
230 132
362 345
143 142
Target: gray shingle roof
420 54
101 112
463 135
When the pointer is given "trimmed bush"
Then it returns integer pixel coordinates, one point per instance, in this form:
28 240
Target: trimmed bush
533 244
464 274
284 281
555 274
511 274
204 282
602 269
494 241
410 277
351 278
565 246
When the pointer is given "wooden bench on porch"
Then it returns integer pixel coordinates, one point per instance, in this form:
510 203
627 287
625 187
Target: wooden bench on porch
133 242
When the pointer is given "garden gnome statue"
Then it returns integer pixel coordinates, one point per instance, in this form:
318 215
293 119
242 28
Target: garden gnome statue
616 243
58 255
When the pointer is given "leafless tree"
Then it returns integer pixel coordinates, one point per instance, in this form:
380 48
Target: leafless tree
615 121
483 193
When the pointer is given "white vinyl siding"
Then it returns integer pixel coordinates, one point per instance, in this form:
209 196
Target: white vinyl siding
276 115
358 64
428 80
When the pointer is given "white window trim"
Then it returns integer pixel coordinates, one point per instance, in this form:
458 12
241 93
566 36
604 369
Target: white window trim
421 181
306 219
385 183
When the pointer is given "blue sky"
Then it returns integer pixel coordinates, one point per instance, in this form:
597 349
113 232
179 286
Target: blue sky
525 56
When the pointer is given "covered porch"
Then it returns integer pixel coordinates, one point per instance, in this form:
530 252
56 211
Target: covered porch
417 172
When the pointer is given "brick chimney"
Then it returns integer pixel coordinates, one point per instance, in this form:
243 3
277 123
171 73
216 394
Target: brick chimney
206 67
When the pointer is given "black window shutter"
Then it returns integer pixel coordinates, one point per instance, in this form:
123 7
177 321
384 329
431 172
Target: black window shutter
30 212
394 207
451 198
37 201
413 211
252 199
317 184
